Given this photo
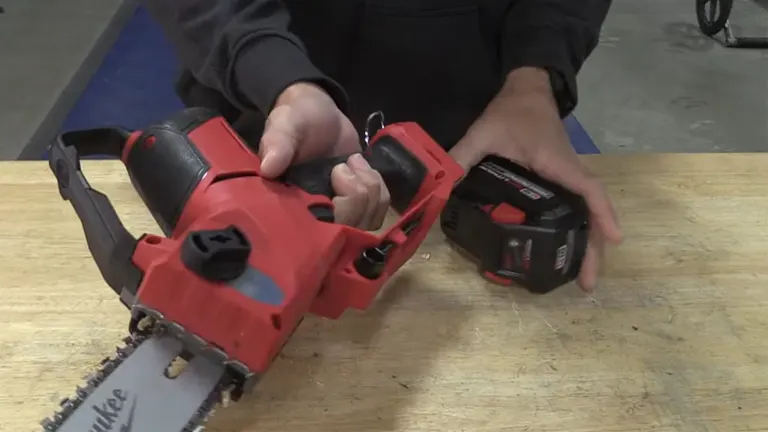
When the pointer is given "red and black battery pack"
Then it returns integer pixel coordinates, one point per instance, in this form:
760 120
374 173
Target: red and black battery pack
518 227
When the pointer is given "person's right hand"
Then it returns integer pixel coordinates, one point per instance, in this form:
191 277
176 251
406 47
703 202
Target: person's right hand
523 125
305 124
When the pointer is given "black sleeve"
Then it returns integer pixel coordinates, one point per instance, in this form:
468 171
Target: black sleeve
241 48
555 35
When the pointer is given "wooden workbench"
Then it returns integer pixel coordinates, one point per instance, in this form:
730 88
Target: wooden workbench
671 341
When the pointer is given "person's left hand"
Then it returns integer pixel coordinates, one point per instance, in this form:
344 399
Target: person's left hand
305 124
523 124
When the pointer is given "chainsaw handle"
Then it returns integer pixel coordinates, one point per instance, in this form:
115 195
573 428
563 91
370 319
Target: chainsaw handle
403 173
167 162
420 176
109 242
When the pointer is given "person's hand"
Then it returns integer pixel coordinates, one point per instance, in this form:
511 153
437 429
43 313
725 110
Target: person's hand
523 124
305 124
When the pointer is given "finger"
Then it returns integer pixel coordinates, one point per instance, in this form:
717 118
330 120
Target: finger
589 270
603 213
351 199
378 196
465 154
279 142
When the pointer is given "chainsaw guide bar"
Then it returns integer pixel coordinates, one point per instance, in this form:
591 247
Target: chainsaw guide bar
131 392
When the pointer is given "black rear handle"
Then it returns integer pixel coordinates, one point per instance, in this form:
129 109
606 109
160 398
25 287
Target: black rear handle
402 172
109 242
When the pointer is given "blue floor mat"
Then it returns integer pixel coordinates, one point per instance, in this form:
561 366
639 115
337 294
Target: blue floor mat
134 85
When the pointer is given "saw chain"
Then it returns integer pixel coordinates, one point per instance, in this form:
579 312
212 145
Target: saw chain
133 392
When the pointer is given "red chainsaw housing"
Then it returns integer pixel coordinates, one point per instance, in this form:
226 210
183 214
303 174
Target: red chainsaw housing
309 260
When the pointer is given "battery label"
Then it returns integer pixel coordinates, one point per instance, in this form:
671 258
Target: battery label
560 256
564 254
525 186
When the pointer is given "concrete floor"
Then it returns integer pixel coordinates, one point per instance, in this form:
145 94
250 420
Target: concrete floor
655 84
45 42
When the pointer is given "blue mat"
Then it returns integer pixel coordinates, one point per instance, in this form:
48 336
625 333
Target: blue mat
134 85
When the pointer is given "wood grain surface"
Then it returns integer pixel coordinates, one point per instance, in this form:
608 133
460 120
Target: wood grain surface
673 339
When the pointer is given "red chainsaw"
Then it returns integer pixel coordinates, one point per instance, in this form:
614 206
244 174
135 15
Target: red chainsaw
242 261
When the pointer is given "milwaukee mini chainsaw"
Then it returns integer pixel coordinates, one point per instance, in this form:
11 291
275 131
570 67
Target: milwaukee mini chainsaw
242 261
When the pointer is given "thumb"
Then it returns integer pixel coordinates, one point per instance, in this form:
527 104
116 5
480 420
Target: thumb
279 142
466 155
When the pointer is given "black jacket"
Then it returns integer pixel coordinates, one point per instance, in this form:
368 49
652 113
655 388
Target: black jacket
436 62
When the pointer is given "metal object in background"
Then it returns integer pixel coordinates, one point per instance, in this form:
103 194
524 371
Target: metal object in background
713 17
371 128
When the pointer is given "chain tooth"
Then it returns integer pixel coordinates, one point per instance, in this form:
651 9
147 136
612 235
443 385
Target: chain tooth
202 414
48 425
